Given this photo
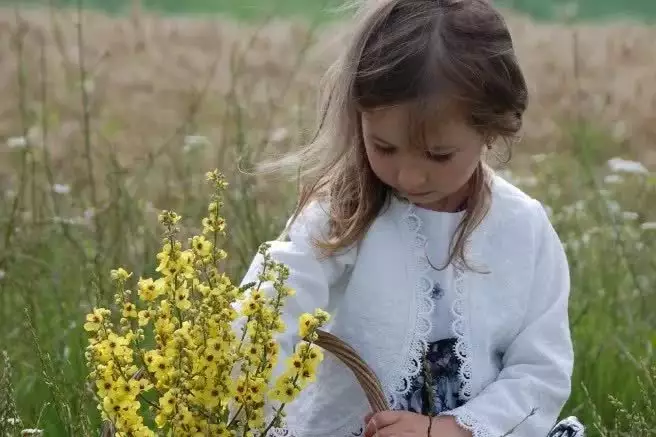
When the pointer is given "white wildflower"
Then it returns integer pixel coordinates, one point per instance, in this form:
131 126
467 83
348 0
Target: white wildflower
529 181
193 142
61 188
613 179
630 215
71 221
648 226
278 135
540 157
17 142
89 213
31 432
613 206
2 274
585 239
620 165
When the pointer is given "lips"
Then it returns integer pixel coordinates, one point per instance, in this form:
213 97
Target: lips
418 194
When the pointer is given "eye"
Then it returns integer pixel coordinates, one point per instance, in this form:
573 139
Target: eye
384 150
440 157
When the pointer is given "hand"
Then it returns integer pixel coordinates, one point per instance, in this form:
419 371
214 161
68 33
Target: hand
406 424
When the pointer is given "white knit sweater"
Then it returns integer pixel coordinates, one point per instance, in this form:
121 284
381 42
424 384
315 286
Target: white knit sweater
511 321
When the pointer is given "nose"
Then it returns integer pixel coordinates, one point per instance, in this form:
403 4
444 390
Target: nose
412 179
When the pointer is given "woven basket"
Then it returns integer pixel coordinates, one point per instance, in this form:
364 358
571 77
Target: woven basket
345 354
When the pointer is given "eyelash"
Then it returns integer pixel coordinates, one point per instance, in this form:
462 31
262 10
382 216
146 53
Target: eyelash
437 158
385 150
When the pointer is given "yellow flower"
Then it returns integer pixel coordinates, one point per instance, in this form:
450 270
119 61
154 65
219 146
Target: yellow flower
161 420
120 275
186 264
199 367
102 351
321 316
307 323
201 246
284 391
119 347
213 224
129 310
149 290
182 298
254 351
145 385
94 320
144 317
209 398
163 258
167 402
250 306
104 385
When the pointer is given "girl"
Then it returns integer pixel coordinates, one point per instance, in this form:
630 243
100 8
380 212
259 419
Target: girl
448 281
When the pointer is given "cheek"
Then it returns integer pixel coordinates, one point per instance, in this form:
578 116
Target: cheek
457 172
380 165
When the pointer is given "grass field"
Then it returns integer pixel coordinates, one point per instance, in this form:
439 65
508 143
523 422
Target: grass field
92 150
324 9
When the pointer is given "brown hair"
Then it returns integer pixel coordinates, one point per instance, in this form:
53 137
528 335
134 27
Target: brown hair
421 52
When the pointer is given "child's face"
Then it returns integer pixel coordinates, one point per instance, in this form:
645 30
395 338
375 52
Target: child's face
434 178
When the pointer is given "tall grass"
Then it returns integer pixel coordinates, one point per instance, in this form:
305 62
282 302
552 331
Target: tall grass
78 197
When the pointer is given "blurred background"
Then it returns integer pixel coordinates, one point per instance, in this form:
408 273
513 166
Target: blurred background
112 110
545 9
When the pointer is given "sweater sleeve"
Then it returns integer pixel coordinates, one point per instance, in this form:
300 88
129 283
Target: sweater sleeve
537 366
311 275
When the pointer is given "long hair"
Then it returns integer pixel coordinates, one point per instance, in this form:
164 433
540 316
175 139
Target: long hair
420 52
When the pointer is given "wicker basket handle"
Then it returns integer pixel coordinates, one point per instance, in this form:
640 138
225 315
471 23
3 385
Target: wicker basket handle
365 376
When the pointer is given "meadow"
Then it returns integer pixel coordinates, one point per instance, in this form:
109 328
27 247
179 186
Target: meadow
105 120
326 9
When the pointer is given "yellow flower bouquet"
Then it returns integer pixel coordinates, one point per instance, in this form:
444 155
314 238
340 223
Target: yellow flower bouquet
170 360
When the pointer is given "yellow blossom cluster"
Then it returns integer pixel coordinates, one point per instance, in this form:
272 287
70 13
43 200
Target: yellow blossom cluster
176 364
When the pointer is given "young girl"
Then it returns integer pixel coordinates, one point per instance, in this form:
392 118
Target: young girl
448 281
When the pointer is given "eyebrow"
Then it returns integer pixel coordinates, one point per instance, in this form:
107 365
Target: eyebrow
440 148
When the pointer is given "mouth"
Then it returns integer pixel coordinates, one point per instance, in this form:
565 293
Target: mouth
426 193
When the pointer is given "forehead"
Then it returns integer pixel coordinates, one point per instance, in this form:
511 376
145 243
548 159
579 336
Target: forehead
399 124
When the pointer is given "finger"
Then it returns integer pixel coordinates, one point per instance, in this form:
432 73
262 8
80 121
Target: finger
372 429
389 431
379 421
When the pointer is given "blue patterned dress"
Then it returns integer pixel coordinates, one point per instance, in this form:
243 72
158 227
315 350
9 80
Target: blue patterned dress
435 389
